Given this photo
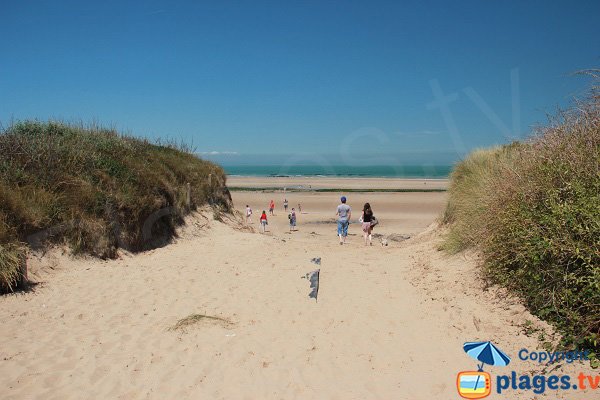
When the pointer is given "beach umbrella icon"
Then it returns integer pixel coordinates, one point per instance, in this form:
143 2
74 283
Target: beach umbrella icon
487 353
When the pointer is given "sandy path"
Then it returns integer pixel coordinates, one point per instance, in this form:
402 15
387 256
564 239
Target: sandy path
390 322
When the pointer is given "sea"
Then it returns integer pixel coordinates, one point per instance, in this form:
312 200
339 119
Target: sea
376 171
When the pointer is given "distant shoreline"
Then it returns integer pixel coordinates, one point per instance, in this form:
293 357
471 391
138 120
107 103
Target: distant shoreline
335 184
346 190
419 178
341 171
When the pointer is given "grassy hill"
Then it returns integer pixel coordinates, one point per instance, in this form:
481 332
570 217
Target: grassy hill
533 210
95 189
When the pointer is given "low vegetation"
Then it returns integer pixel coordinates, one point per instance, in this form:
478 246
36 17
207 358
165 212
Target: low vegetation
194 319
95 190
533 211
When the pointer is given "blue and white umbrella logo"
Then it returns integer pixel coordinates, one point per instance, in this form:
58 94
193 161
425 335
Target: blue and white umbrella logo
486 353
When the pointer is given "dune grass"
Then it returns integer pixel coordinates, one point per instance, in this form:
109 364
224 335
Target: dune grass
533 210
473 178
12 257
95 189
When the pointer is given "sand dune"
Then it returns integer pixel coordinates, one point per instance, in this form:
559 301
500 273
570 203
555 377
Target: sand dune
389 322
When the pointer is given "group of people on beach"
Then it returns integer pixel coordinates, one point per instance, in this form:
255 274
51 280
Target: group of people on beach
263 217
343 213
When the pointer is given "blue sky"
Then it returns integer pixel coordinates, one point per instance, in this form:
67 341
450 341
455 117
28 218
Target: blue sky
350 82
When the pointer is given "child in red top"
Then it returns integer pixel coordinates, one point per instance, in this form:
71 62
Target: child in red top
263 221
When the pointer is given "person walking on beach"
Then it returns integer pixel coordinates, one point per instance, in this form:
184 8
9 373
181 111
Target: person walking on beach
248 214
285 205
368 222
271 207
263 221
292 218
300 208
344 213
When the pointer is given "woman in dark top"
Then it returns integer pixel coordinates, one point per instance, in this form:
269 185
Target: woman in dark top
367 227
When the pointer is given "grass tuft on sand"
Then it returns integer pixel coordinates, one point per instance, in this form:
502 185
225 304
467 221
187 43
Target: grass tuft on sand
194 319
12 256
96 190
533 210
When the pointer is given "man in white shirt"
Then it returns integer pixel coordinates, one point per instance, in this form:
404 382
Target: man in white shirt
344 213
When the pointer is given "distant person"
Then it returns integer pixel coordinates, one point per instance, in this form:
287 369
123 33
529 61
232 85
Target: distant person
299 208
271 207
292 218
263 221
368 222
344 213
285 205
248 214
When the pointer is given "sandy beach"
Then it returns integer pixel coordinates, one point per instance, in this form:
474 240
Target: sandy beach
389 323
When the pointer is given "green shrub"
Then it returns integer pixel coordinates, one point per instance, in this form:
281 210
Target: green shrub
96 188
533 210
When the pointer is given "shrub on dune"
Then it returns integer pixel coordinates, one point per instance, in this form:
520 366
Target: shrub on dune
95 188
533 210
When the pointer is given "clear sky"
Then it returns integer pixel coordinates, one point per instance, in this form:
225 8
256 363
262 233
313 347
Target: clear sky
363 82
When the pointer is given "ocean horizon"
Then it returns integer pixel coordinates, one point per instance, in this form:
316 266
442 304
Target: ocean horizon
375 171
